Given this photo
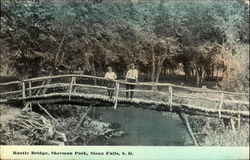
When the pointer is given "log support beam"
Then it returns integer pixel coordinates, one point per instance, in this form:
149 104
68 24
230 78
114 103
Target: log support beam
47 112
238 122
27 107
116 94
232 125
189 129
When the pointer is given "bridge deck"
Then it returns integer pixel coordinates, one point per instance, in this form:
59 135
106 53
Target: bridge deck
84 90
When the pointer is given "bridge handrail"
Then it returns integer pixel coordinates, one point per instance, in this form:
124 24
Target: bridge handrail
9 83
183 87
123 82
62 76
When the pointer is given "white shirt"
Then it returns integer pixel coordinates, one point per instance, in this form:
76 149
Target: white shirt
110 75
132 74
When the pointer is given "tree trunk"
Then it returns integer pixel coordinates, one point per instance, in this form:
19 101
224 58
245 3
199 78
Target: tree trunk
217 74
202 75
94 71
212 74
192 72
54 69
187 70
173 71
56 60
158 73
159 67
197 77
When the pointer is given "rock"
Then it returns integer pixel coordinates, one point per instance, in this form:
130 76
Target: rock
118 133
204 87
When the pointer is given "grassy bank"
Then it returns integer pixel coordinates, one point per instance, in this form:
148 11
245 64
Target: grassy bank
219 132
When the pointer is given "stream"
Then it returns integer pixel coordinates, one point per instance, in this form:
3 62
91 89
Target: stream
142 127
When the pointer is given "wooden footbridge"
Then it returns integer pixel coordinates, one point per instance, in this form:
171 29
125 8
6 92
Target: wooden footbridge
91 90
85 89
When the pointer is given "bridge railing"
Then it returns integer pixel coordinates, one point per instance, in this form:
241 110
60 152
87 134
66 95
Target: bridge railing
10 89
212 99
144 91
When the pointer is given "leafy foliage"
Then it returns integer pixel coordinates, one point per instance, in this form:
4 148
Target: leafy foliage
68 35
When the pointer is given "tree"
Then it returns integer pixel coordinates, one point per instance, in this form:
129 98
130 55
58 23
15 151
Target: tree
41 36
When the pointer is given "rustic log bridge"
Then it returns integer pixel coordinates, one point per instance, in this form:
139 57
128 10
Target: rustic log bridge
83 93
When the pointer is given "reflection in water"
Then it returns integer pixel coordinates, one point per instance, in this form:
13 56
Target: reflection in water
142 127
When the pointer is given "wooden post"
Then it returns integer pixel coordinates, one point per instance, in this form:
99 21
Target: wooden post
116 94
238 121
170 98
74 87
23 86
233 125
30 88
30 105
221 103
27 107
186 123
71 86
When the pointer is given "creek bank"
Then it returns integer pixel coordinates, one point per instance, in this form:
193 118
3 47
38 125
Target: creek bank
214 132
36 128
28 128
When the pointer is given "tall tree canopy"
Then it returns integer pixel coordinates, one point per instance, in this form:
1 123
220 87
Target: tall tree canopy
50 35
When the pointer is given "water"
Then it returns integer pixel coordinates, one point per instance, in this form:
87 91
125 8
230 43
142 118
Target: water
143 127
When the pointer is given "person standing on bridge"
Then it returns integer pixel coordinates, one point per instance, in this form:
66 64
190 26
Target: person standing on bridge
111 76
131 77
